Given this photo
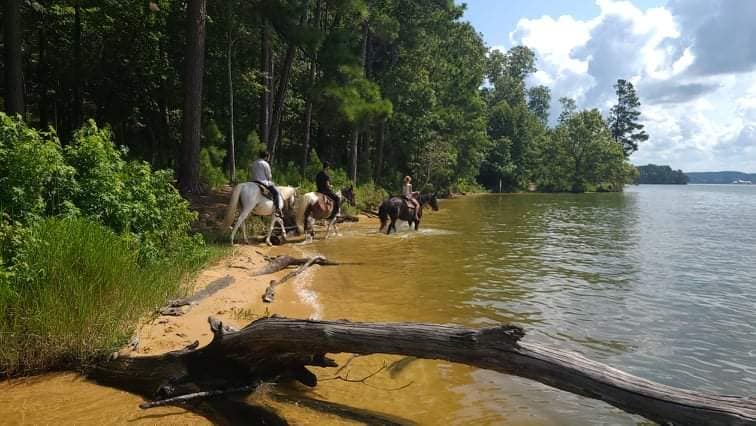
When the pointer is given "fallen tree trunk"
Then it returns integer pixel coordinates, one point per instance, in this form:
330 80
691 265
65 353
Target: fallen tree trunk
179 307
270 292
278 263
274 348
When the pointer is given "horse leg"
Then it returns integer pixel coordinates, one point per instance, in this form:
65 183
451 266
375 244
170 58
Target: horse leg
283 228
328 228
239 222
242 218
270 229
311 222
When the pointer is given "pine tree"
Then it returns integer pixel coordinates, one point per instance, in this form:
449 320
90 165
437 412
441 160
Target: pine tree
623 118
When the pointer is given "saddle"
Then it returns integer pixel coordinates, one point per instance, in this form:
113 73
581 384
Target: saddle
408 203
264 190
325 203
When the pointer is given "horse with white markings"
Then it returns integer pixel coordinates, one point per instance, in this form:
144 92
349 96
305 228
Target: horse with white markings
254 201
315 205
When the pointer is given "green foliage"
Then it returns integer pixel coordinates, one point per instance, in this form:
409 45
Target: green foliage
653 174
467 187
356 98
34 178
539 98
128 197
211 167
77 292
581 156
369 196
624 116
92 178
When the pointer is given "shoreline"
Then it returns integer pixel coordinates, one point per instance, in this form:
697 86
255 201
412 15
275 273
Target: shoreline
60 396
237 304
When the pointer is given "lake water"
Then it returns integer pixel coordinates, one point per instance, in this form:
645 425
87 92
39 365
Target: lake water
659 281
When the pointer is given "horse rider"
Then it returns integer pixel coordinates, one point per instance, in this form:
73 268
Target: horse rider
260 173
409 195
323 183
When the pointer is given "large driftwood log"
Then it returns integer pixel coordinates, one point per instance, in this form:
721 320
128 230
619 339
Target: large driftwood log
272 348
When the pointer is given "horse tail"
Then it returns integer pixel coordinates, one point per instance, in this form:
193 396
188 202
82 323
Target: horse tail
303 205
383 214
232 204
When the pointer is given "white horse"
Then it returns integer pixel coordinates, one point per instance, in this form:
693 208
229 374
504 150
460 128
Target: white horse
314 205
253 201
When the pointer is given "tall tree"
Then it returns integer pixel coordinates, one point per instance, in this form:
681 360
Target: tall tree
229 51
569 107
78 100
590 153
266 70
539 98
623 118
189 177
14 102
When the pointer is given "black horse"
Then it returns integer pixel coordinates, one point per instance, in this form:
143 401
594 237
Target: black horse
397 208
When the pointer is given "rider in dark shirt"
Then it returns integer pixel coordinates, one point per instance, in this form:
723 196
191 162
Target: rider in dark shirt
323 183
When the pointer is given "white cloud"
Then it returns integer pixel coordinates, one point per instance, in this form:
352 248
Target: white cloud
700 115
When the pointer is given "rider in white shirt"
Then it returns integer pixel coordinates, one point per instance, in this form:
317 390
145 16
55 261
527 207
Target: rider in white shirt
259 172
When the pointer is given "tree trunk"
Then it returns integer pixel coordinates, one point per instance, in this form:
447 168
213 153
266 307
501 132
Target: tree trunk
308 121
280 98
231 136
381 139
353 167
275 347
14 79
265 65
78 101
42 73
193 73
356 130
310 95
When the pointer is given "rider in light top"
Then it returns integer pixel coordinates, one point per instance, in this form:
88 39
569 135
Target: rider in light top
409 195
260 172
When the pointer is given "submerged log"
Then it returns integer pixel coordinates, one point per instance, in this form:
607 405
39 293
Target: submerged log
270 292
274 348
278 263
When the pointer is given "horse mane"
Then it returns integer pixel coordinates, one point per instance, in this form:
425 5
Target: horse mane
425 198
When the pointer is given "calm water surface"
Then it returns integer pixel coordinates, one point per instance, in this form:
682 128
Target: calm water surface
659 281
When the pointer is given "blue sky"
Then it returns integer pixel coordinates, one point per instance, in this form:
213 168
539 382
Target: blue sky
693 63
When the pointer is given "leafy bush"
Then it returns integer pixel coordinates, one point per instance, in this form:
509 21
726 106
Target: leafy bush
91 178
369 196
467 186
34 178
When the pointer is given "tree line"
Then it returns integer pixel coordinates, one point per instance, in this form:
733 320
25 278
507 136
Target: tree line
383 88
653 174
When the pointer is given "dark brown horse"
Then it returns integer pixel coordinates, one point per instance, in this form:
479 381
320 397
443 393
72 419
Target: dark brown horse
397 208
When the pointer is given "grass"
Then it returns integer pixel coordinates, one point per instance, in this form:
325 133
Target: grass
80 292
